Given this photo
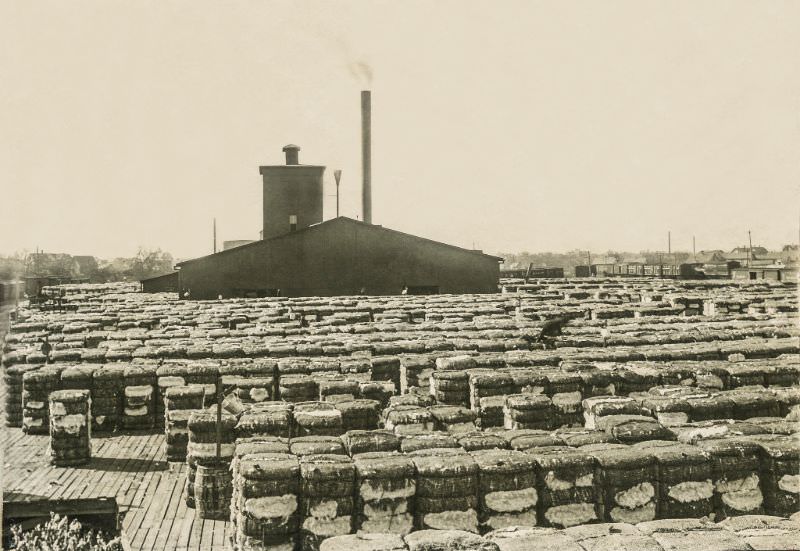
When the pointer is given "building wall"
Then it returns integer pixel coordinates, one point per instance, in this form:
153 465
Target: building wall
339 257
291 190
167 283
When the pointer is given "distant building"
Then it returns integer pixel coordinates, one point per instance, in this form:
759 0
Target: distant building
236 243
773 272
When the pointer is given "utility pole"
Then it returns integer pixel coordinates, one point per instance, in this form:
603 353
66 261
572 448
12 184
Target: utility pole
750 254
694 249
337 174
669 242
215 235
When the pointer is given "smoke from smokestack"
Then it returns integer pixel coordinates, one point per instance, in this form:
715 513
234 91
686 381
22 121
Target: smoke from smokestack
366 155
361 71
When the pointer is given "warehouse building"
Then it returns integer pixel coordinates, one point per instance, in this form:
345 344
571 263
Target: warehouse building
302 255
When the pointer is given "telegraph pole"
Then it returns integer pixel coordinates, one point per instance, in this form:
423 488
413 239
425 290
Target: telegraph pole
750 254
215 235
337 174
694 250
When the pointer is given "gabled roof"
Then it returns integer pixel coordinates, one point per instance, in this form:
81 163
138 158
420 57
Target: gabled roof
170 274
329 223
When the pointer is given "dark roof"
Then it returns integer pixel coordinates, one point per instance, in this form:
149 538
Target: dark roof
171 274
328 223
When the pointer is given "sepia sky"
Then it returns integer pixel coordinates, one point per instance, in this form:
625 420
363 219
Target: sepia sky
539 126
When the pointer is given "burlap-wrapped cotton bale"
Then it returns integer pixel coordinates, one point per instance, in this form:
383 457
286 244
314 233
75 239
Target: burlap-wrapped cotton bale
36 388
575 436
408 419
385 368
525 538
692 433
454 419
327 485
599 382
316 445
365 541
507 494
254 389
161 389
336 385
137 375
629 429
448 540
184 397
478 440
744 374
70 427
456 363
359 414
764 532
668 410
690 535
600 406
265 503
316 419
626 482
780 474
415 371
297 388
419 396
370 441
787 398
447 486
380 391
177 434
685 486
138 413
450 387
527 439
528 411
784 375
202 445
491 412
637 378
266 421
78 377
427 440
567 409
735 468
753 403
565 481
385 486
484 383
616 536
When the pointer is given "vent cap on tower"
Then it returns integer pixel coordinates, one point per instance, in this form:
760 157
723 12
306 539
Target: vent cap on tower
292 154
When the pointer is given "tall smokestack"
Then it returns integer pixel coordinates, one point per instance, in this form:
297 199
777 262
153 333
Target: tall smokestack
366 155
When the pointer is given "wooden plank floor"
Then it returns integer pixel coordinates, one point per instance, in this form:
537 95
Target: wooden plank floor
131 468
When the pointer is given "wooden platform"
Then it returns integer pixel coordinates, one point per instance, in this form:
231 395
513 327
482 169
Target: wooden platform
130 468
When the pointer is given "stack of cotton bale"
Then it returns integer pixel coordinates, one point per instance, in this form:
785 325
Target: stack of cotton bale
528 411
359 414
618 536
12 378
247 447
265 419
315 445
426 441
202 447
267 488
684 486
596 381
297 388
326 498
70 428
177 434
479 440
528 439
670 410
415 372
447 489
138 413
629 429
385 486
625 477
370 441
454 419
567 493
780 474
758 402
143 375
507 494
735 470
485 383
36 388
385 368
165 382
316 419
491 412
565 391
576 436
108 386
253 390
713 406
78 377
449 383
407 419
600 406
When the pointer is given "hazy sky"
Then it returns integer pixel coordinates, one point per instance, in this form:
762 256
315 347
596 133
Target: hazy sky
511 125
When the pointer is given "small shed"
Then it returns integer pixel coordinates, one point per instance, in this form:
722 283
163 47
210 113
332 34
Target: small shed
166 283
